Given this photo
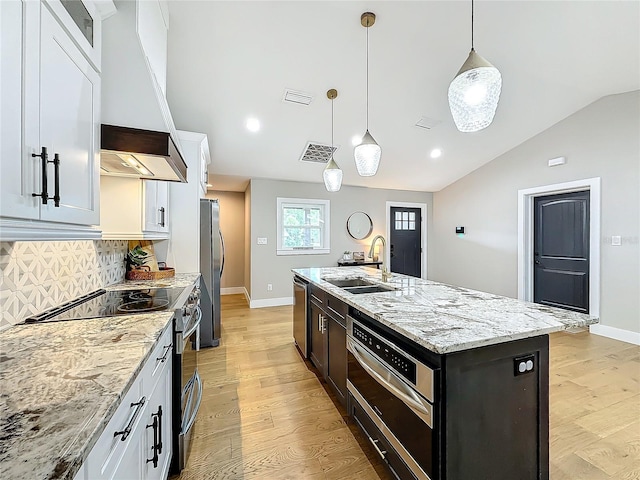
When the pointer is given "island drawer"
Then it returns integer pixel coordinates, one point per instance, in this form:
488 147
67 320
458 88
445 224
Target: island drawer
380 444
338 308
317 294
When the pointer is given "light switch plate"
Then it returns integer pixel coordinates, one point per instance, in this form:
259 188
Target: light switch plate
616 240
262 240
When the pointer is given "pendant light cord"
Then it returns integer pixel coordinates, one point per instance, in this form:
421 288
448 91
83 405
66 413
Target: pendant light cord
368 74
332 128
472 25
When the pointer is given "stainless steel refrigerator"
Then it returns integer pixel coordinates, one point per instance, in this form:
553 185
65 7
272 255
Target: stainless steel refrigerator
211 268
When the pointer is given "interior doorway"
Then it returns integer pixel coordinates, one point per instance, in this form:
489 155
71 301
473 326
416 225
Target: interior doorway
406 233
561 250
526 237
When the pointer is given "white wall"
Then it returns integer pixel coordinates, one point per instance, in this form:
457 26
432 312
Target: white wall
267 267
601 140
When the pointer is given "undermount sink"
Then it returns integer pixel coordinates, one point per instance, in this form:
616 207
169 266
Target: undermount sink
369 289
349 282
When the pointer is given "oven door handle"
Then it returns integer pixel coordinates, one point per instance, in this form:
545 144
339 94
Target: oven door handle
390 381
196 324
197 383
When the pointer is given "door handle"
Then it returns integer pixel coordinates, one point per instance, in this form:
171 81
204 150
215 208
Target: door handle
44 194
162 216
155 447
127 430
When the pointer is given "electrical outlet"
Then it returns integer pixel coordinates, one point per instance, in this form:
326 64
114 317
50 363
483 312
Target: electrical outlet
262 240
616 240
524 364
269 287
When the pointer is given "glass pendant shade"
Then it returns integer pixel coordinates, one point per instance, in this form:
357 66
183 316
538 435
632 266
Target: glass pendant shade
332 176
367 156
474 94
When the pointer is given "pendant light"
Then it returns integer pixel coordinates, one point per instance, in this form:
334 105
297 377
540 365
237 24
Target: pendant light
332 174
474 93
367 153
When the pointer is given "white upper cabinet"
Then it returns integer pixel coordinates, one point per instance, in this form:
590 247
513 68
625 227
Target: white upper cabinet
134 209
69 99
156 206
50 101
18 176
83 23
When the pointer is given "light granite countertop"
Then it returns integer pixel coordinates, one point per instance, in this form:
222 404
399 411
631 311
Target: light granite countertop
445 318
61 382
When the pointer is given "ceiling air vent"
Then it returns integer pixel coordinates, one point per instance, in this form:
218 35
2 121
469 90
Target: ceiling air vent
317 153
427 122
294 96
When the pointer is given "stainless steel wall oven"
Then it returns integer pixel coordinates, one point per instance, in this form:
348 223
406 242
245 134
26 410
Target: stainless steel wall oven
187 385
393 399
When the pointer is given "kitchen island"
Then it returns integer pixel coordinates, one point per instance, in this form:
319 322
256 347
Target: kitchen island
447 383
61 383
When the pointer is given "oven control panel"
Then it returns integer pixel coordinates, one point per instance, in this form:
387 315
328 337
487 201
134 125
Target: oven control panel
393 358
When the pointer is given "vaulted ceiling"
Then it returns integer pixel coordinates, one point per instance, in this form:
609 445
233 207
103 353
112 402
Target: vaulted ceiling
231 60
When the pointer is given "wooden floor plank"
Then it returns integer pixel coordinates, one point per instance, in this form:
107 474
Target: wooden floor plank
265 415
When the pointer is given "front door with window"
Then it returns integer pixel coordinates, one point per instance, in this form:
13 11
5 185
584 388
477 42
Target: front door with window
405 242
561 251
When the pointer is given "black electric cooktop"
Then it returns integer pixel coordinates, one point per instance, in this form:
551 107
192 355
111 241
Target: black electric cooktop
102 303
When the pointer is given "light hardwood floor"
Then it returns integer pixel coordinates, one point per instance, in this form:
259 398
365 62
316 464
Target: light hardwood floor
265 415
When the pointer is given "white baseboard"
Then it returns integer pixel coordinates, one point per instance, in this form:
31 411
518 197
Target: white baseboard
616 333
247 296
271 302
232 290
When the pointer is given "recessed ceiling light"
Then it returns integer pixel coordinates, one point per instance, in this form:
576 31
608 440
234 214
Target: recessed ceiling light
356 140
253 124
436 153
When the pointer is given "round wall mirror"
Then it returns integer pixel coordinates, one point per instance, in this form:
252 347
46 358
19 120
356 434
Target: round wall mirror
359 225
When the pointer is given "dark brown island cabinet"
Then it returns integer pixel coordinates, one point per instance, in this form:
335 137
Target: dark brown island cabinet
327 326
487 417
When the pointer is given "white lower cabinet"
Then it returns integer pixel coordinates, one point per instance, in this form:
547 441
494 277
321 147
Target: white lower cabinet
158 431
140 427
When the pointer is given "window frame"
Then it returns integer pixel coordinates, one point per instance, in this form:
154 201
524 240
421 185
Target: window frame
325 219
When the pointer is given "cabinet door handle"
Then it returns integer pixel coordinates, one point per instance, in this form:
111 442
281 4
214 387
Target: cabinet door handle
161 216
44 194
127 430
157 417
56 176
324 324
167 349
159 414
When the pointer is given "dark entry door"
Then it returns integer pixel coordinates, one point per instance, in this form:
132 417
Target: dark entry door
561 251
405 241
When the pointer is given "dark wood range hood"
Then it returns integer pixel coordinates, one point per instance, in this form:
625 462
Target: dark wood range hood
132 152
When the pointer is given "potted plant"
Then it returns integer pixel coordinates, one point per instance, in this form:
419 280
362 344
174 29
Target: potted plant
137 258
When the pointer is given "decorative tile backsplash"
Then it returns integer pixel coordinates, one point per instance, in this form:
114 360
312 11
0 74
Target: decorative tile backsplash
37 276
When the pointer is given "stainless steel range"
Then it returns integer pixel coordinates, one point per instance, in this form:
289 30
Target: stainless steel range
186 382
